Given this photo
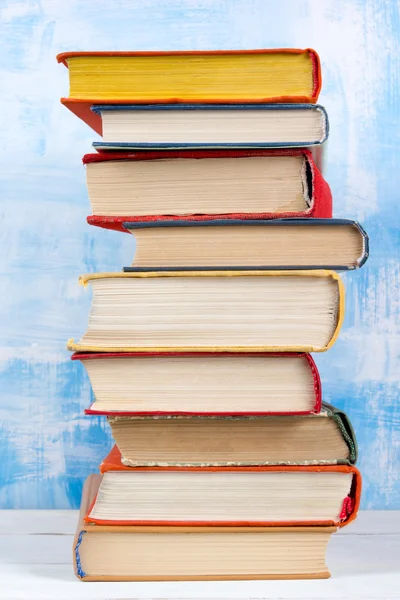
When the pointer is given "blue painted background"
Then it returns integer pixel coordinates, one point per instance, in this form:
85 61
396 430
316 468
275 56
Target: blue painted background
47 446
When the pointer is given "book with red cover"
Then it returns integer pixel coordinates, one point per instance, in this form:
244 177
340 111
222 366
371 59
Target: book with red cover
350 504
320 193
106 357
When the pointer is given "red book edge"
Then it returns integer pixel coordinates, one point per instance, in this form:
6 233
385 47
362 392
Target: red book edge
351 503
101 413
92 157
321 194
316 378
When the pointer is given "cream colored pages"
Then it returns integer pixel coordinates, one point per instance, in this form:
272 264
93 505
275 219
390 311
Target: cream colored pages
201 384
206 555
269 496
212 126
211 186
244 311
251 245
315 440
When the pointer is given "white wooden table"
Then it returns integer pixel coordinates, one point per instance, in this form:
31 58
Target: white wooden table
35 563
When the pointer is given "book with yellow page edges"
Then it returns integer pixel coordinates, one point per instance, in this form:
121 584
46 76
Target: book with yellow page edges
217 311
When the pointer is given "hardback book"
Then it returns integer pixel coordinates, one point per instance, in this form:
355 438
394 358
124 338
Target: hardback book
337 244
210 126
204 185
282 495
235 76
202 384
323 438
194 311
182 553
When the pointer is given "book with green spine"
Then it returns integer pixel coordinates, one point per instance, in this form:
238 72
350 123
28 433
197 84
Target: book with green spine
313 439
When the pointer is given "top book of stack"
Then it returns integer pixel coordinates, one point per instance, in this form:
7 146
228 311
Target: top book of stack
265 92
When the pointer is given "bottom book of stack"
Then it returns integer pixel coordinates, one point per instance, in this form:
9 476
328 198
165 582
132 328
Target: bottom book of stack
211 523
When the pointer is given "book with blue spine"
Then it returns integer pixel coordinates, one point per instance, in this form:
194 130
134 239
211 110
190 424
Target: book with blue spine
210 126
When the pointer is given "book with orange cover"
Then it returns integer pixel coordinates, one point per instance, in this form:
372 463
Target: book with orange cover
235 76
225 496
182 553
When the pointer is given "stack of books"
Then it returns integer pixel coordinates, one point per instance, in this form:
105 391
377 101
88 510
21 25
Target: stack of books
227 464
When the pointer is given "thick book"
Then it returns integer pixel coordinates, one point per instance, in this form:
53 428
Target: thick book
204 185
226 496
217 311
222 76
182 553
323 438
210 126
338 244
202 384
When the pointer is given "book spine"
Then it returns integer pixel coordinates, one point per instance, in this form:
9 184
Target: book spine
317 384
322 195
79 571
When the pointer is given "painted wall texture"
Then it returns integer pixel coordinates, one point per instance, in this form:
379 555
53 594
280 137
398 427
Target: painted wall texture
47 446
